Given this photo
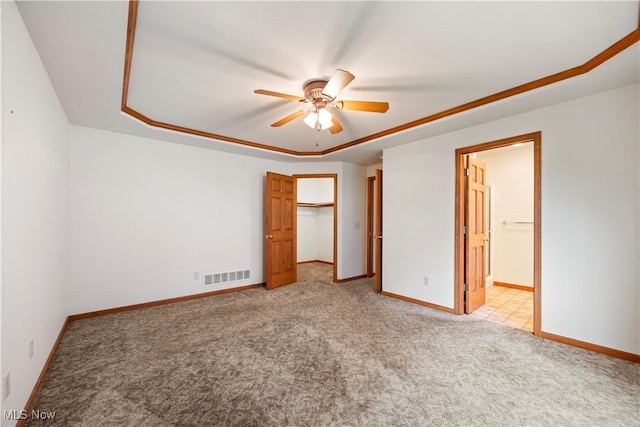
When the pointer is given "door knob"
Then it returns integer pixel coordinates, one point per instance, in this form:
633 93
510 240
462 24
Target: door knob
379 236
268 236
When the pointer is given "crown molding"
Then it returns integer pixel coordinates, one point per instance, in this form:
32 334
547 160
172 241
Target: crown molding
610 52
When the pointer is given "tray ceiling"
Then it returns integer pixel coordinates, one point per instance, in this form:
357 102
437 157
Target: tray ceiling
194 66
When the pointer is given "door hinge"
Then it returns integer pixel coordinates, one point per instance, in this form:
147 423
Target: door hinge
465 287
464 229
466 172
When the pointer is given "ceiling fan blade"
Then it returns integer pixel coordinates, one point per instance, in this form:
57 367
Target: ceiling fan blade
337 82
336 128
278 94
371 106
288 119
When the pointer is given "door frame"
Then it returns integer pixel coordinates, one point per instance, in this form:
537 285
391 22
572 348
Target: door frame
378 231
335 214
370 227
459 257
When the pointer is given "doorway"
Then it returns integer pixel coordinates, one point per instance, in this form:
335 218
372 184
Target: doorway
371 182
508 236
473 236
374 229
317 203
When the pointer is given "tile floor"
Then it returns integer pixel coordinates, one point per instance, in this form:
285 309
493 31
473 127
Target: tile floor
513 307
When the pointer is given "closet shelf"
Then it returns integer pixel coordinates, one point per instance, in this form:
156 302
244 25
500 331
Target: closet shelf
314 205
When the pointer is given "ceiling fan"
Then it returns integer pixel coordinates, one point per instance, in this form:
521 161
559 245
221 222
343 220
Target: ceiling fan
322 93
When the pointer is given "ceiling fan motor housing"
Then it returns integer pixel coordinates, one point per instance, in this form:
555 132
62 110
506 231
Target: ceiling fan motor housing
313 92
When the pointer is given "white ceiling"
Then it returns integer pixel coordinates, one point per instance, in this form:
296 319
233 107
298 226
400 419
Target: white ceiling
196 64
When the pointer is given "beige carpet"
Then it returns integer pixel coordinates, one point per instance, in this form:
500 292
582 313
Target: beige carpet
316 353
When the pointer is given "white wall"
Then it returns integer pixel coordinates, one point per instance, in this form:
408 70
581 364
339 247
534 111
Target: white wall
371 170
509 171
315 234
147 214
307 232
34 210
324 230
352 208
590 215
315 190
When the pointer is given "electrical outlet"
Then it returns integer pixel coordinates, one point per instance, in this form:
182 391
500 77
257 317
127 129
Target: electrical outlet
196 275
6 386
30 349
425 281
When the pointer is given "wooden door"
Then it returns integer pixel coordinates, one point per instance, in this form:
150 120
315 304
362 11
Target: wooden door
475 233
378 231
280 229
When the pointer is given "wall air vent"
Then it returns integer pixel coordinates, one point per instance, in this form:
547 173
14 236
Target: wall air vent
230 276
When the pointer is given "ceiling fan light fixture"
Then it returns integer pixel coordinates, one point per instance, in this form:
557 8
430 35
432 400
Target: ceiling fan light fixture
324 118
311 119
